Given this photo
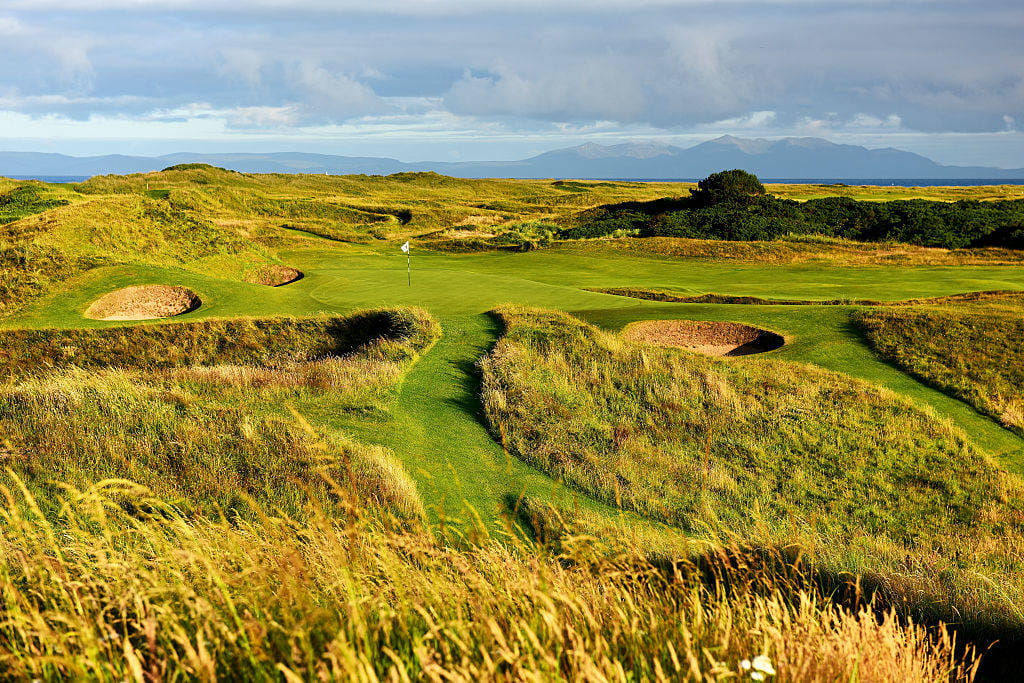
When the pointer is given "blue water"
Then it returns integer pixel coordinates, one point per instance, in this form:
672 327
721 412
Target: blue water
51 178
896 182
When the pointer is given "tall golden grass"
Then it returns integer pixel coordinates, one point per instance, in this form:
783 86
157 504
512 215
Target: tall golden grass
768 453
975 353
93 591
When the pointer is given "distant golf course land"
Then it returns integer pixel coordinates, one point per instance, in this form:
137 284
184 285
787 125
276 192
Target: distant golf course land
482 252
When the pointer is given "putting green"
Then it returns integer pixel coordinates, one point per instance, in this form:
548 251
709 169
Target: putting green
435 425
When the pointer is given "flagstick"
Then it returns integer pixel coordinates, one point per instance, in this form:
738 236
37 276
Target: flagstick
408 265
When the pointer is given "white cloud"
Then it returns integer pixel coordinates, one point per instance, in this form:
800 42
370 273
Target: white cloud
9 26
755 120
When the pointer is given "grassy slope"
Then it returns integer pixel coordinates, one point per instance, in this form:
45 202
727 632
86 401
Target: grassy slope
434 424
357 207
185 412
172 598
975 352
767 452
690 440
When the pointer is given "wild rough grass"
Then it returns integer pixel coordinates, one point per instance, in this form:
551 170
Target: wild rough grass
28 271
995 297
768 452
976 355
837 252
92 592
678 436
76 429
186 409
280 343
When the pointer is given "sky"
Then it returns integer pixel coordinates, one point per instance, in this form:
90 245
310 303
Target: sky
505 79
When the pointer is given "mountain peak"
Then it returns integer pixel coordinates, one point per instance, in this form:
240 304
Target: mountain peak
633 150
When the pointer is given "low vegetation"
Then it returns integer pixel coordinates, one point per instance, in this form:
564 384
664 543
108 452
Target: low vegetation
79 430
275 342
976 355
161 596
657 294
154 410
794 249
737 207
768 452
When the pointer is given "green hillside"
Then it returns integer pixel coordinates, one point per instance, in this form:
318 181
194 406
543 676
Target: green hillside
368 473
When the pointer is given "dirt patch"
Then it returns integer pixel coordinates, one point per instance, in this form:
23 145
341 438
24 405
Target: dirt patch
709 338
275 276
144 302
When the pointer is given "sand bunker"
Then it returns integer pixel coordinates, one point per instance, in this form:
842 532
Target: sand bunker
275 276
144 302
710 338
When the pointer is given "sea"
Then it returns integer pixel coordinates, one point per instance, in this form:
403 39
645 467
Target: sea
49 178
894 182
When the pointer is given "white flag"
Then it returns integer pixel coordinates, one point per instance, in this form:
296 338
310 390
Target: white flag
405 247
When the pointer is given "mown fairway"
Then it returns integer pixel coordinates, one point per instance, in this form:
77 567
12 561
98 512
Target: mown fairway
436 426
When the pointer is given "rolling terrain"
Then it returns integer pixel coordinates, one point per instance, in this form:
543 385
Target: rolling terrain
472 473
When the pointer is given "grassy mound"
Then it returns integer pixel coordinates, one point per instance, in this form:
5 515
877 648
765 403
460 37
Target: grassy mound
29 199
78 430
771 453
700 443
185 410
274 275
977 356
241 341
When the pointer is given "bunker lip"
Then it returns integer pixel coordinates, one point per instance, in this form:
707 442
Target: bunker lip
276 276
707 337
144 302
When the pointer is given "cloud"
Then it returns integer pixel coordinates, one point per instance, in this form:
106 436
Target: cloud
522 67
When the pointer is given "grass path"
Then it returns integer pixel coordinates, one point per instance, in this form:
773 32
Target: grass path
438 432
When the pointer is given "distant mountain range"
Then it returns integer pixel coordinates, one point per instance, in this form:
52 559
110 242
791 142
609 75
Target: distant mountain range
791 158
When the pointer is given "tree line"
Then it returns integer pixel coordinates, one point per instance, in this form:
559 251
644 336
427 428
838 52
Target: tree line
733 205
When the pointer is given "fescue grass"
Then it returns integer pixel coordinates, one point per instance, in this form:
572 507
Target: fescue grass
770 452
77 429
976 355
93 592
679 437
655 294
278 342
177 412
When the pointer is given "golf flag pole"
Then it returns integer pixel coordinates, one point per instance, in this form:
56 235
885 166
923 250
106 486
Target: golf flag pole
408 262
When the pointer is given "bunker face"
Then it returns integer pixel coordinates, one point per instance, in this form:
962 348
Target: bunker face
275 276
709 338
144 302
